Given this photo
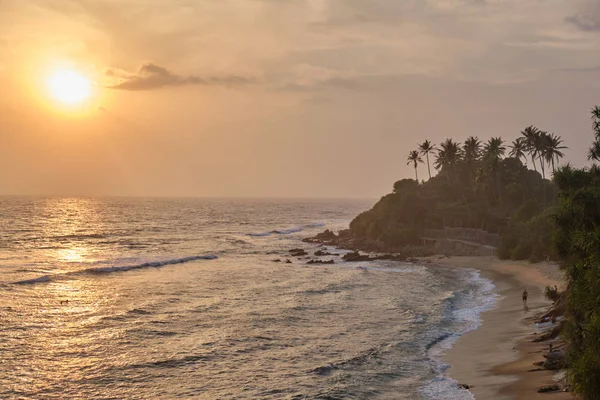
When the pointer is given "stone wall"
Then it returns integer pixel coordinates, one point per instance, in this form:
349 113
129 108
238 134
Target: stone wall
467 234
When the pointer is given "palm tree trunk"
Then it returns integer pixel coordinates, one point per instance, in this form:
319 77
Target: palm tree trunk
416 175
542 166
533 162
428 169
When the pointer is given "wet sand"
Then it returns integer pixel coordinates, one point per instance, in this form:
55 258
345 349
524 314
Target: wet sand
496 359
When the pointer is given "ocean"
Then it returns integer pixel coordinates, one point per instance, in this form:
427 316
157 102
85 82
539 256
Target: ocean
122 298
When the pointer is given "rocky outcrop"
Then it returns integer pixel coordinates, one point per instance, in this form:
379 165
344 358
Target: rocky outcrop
298 252
345 240
555 360
356 256
321 253
547 389
321 262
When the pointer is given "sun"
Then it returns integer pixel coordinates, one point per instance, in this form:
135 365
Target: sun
69 87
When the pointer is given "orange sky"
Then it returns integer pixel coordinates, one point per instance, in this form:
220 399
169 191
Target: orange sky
311 98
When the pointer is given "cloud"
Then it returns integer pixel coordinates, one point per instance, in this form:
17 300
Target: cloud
585 23
151 76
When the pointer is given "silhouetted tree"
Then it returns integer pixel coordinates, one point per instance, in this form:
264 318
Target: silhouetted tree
426 148
448 154
530 135
518 149
472 149
414 158
594 152
553 150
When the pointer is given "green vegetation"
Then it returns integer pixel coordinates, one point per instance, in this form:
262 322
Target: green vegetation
476 187
577 219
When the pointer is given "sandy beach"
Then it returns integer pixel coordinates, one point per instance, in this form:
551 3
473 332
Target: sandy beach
496 360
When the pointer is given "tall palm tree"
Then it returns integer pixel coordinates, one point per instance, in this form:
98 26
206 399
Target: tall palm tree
530 136
494 149
518 148
472 149
541 144
425 148
415 158
448 154
553 150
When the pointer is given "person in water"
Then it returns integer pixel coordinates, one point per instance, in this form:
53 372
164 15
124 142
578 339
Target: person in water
525 294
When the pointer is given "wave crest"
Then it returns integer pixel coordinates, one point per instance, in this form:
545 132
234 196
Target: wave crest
287 231
106 270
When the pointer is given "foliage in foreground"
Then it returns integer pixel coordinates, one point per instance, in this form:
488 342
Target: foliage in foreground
578 244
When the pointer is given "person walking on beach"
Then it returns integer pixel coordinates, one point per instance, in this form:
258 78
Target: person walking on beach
525 294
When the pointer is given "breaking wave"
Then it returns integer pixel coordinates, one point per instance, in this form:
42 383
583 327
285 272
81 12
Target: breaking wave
106 270
287 231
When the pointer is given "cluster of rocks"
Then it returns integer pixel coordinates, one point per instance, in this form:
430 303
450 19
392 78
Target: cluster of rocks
356 256
550 388
344 240
298 252
556 357
321 253
321 262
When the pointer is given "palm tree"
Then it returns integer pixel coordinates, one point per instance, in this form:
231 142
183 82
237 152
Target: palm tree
530 135
415 158
518 149
541 144
494 149
553 150
448 154
472 149
425 148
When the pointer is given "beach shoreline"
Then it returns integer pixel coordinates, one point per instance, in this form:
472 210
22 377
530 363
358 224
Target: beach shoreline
496 360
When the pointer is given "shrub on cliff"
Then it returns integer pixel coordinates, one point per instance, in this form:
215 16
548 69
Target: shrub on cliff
578 244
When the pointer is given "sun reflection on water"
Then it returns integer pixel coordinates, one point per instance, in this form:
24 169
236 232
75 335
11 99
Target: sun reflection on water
76 254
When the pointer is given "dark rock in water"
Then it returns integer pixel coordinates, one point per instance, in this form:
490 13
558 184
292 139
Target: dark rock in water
276 260
298 252
390 257
551 388
326 235
288 261
356 256
321 253
465 386
321 262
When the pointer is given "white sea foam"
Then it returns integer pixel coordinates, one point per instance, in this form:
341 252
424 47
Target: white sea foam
465 310
288 231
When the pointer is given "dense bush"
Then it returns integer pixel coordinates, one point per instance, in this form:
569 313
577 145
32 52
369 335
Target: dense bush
494 194
577 218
